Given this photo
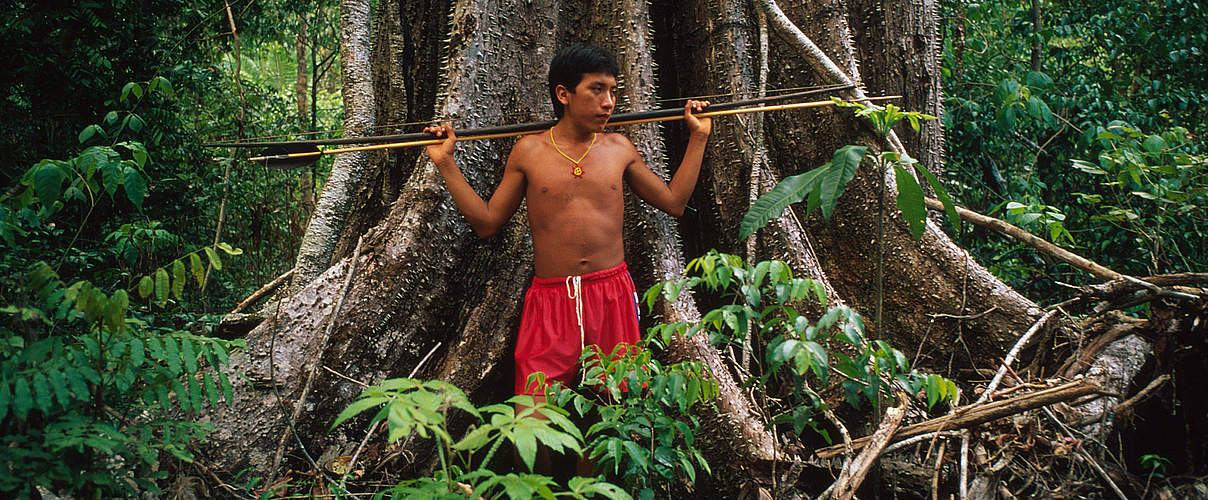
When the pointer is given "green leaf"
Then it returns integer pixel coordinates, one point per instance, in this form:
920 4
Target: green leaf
178 278
23 401
475 439
5 398
146 286
199 272
59 383
772 204
126 91
161 285
89 132
1154 144
137 352
230 250
164 85
211 390
135 122
942 194
115 311
42 395
910 201
526 446
172 355
1037 79
215 262
356 408
111 176
48 182
842 169
189 356
135 186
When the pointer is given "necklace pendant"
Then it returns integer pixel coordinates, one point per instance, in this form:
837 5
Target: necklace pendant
578 171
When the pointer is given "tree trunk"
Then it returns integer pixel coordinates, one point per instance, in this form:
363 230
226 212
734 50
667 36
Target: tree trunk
339 192
424 283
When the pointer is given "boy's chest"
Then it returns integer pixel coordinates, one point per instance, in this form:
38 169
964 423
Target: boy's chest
556 179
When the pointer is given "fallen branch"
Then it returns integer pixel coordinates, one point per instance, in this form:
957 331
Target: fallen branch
1144 394
1006 362
977 414
851 476
1032 240
264 290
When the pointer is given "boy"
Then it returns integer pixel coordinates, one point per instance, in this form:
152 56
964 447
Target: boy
571 175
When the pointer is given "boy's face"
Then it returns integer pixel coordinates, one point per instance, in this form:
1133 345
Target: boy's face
592 101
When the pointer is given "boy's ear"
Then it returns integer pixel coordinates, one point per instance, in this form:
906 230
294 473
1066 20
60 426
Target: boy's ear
563 94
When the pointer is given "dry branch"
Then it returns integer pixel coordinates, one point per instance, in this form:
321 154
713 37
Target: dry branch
853 475
977 414
1032 240
264 290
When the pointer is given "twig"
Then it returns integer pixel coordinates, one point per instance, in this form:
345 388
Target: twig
964 477
264 290
1089 460
1126 405
935 478
310 377
854 474
1006 363
1032 240
345 377
921 437
977 414
970 316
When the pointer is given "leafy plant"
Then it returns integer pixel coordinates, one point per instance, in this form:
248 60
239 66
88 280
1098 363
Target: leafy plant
417 407
822 186
797 353
645 436
79 378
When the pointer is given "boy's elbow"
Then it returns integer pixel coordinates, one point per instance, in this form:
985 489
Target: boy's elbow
485 230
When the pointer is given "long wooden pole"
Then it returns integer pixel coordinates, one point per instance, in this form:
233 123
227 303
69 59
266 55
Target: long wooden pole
513 133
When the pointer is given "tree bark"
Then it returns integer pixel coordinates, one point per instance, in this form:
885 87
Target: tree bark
339 192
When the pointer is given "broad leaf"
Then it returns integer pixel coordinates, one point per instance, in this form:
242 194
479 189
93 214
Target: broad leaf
842 168
135 186
48 182
910 201
772 204
942 194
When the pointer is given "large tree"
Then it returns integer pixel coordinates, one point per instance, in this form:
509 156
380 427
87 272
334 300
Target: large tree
422 286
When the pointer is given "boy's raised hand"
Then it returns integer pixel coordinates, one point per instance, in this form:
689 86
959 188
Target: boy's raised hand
441 153
697 126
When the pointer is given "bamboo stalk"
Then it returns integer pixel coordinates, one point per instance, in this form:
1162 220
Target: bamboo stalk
531 129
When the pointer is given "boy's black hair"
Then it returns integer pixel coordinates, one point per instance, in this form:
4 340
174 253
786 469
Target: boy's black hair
571 63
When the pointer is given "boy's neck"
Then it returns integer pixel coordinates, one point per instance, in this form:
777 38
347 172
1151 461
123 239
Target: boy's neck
570 131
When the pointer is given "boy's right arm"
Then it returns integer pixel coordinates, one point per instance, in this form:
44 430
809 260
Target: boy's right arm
486 217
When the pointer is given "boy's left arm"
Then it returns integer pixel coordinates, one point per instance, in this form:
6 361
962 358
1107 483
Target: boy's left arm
673 197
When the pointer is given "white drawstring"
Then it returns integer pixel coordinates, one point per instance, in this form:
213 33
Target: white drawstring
574 290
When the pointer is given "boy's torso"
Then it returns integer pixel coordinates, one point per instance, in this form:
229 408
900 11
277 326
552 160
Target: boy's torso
576 222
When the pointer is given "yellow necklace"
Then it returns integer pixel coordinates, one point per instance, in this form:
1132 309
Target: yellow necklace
577 170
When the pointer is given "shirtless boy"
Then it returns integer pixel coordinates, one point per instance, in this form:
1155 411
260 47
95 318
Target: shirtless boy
571 175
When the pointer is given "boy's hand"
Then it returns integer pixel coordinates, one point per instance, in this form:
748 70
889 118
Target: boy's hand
697 126
441 153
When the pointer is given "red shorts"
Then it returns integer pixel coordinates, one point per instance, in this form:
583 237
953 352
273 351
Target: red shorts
550 337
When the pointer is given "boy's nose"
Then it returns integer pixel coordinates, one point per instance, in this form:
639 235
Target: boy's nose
609 102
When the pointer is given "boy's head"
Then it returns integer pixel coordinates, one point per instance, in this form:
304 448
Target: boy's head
571 63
